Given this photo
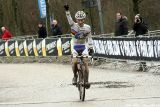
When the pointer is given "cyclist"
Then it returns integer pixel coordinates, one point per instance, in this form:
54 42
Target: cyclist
82 42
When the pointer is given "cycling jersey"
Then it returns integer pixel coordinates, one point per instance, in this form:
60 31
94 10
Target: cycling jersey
84 33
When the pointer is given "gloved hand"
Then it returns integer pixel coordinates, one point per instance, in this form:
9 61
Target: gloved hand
66 7
79 35
90 51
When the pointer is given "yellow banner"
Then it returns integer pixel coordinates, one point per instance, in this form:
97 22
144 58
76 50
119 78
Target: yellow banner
17 49
59 47
7 48
44 47
35 48
25 48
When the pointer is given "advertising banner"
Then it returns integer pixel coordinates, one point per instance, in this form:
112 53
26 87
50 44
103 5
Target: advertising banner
30 49
51 47
37 45
42 8
2 48
11 48
128 48
20 48
66 46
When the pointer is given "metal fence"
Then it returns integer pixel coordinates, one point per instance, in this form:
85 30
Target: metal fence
130 34
115 62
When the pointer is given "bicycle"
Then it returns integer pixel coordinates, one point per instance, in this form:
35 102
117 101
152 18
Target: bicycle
81 74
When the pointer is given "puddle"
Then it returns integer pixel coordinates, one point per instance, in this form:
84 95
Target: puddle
111 84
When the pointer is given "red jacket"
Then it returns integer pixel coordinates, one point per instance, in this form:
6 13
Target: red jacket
6 35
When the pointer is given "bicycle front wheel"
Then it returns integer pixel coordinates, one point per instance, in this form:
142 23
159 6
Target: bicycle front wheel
81 87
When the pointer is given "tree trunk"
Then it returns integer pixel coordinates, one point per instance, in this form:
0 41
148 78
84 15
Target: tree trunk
14 5
135 7
47 18
1 14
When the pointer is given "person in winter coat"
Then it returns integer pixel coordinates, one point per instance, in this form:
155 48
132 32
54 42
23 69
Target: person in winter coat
121 26
6 34
42 33
56 29
139 27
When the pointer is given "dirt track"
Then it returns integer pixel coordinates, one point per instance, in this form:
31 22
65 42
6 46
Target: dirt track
49 85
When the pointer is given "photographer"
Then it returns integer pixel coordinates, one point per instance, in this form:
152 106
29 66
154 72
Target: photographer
139 27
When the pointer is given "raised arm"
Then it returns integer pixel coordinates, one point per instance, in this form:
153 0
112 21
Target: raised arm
69 18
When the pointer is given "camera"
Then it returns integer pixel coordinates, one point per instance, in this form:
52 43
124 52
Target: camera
138 20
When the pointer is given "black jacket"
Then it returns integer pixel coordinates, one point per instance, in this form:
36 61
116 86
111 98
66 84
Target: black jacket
140 28
42 33
121 27
56 30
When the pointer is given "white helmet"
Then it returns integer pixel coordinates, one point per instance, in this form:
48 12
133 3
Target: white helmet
80 15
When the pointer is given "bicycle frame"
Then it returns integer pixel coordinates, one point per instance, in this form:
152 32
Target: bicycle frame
81 76
81 79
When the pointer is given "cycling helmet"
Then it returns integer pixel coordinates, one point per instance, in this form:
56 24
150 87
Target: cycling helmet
80 15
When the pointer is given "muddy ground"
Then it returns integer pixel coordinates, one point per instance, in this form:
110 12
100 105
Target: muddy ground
49 85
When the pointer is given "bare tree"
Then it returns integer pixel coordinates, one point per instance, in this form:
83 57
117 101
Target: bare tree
14 6
1 14
136 4
48 17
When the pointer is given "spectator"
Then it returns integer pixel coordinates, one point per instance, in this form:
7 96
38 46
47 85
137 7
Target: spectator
139 27
42 33
121 26
6 34
56 29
